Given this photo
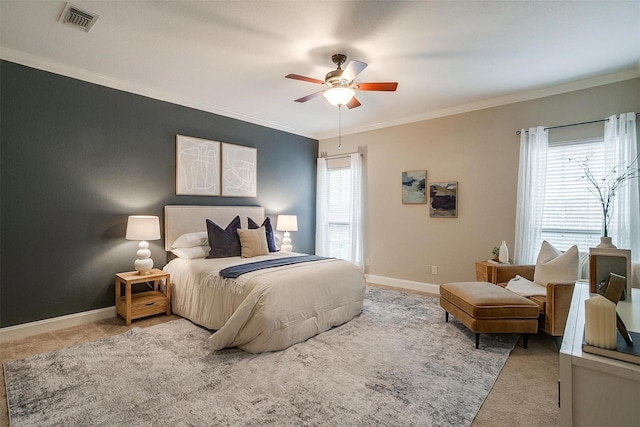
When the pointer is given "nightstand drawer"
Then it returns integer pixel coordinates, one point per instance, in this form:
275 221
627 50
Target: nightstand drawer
144 304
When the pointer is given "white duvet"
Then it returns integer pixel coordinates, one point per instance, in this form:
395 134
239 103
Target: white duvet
268 309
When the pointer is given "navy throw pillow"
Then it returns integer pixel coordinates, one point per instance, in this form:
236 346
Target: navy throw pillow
269 230
224 243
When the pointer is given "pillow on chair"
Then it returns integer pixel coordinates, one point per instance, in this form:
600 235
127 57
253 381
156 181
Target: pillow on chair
553 266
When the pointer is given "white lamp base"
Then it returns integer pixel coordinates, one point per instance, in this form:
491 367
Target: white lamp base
286 243
143 263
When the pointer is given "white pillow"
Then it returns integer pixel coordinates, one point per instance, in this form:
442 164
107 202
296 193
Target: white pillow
191 253
253 242
190 240
554 266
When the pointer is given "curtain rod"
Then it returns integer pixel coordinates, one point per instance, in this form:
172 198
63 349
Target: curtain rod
573 124
339 156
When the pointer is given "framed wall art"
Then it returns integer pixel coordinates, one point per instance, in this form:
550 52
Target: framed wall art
414 187
239 166
443 199
197 166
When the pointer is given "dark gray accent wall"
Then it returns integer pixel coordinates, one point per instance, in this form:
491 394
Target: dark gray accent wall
78 158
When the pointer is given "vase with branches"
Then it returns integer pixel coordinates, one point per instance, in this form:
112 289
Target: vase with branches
606 188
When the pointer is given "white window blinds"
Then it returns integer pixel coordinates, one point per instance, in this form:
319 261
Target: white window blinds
572 213
339 211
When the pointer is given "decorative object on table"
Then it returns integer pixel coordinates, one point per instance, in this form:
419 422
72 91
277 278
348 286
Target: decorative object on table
496 253
143 228
603 261
239 170
197 166
600 322
443 199
622 351
287 223
414 187
605 189
613 289
624 348
503 256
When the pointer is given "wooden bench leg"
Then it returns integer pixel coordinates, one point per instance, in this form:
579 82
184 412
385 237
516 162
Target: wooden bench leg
446 316
477 340
525 340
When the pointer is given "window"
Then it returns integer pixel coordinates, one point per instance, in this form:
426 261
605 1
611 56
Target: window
339 207
555 203
572 213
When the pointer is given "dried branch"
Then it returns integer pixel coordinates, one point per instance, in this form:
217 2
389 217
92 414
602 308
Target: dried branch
606 188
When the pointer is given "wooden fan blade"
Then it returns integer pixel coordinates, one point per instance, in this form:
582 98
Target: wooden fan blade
308 97
353 103
352 70
303 78
382 86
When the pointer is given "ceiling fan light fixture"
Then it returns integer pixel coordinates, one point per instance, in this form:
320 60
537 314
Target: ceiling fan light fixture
339 95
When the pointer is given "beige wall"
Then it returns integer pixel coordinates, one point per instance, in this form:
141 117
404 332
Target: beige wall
479 150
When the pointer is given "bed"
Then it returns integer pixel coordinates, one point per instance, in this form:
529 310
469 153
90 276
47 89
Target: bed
263 310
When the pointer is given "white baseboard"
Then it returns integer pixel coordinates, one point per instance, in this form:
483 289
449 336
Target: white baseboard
404 284
48 325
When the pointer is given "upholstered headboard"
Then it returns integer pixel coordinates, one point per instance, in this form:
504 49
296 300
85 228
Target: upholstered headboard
180 219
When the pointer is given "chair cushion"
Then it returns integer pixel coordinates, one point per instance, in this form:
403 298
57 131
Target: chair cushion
541 300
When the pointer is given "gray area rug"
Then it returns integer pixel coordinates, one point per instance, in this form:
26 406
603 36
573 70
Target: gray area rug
398 363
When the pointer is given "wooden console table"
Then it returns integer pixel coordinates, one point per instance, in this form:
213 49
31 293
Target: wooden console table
597 390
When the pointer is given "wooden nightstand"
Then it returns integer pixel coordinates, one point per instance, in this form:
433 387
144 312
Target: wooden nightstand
142 304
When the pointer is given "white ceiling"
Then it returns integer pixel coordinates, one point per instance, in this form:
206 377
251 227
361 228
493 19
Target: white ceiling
230 57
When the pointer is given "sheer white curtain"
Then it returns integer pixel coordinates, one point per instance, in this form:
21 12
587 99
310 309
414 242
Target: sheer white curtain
354 237
356 231
621 149
532 173
322 208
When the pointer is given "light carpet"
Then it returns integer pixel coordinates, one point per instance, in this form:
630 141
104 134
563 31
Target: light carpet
398 363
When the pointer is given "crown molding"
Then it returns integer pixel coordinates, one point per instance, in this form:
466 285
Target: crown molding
102 80
503 100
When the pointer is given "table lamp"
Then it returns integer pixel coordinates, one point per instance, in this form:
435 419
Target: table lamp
143 228
287 223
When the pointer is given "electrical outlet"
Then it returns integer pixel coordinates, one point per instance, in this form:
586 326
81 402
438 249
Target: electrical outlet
366 261
434 269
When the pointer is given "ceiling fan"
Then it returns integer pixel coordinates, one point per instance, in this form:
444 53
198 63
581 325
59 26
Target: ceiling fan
340 86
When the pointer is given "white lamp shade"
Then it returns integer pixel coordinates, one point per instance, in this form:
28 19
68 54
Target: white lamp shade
339 95
287 223
143 227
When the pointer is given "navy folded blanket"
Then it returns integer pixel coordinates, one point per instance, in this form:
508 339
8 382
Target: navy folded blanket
235 271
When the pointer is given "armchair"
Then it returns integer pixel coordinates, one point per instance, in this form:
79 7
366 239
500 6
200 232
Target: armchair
554 306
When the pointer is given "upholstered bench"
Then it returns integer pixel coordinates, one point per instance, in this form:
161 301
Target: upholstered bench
486 308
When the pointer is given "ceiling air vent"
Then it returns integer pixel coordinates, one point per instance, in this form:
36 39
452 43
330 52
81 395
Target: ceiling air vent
76 18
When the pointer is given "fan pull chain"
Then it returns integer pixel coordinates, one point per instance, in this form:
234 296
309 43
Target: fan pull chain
339 127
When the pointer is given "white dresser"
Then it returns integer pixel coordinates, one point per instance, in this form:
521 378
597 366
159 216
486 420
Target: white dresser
596 390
